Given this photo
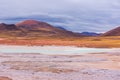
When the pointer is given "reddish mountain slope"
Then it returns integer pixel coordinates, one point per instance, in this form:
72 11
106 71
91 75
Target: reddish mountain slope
34 25
113 32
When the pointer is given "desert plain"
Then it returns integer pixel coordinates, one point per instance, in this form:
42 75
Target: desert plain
37 66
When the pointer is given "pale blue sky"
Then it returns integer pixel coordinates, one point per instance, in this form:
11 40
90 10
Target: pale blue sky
75 15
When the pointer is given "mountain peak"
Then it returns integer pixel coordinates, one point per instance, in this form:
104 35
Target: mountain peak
30 22
34 25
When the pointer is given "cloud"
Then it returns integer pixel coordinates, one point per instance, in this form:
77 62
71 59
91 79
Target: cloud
75 15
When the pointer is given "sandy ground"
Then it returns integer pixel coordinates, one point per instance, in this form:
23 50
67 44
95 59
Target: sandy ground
95 42
100 66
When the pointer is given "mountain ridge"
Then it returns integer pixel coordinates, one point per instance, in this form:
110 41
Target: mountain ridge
90 34
34 28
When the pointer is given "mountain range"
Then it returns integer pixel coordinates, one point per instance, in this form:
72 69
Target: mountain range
90 34
33 28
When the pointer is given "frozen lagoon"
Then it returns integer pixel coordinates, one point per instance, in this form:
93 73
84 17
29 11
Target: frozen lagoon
52 49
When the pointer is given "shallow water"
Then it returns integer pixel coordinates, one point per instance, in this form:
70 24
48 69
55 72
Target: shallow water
51 49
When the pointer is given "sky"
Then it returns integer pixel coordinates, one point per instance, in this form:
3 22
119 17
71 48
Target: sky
74 15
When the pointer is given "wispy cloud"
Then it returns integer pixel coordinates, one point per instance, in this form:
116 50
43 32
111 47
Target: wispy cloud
75 15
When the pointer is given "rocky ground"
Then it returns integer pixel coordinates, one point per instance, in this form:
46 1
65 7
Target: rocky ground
100 66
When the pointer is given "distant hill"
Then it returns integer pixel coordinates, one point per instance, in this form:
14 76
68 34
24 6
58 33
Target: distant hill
61 28
5 27
90 34
33 28
113 32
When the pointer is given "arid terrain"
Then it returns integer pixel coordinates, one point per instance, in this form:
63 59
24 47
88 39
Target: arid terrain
100 66
59 40
38 66
32 32
98 42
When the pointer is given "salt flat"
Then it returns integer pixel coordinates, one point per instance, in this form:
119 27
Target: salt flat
35 66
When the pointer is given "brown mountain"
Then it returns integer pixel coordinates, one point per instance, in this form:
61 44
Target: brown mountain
9 30
32 28
5 27
113 32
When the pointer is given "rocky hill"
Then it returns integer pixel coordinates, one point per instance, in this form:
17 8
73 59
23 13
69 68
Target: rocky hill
113 32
